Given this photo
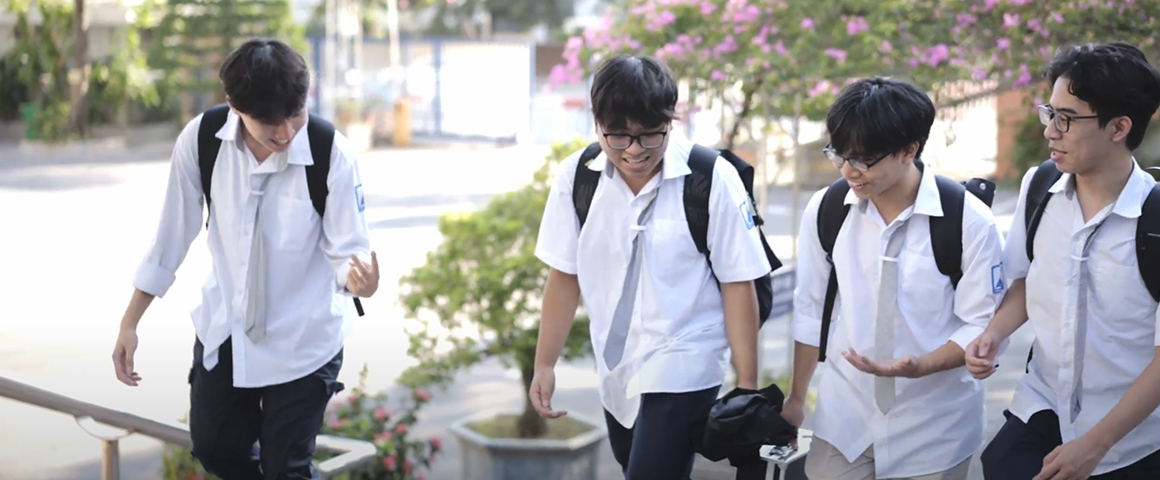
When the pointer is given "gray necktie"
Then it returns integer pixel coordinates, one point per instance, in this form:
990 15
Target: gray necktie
1081 323
622 317
887 313
256 273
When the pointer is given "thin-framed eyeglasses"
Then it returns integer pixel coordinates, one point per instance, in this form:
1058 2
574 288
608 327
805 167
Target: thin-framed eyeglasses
1062 120
859 164
621 141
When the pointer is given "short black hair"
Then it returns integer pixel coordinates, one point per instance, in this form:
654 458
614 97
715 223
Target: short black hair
1115 79
879 116
266 79
633 88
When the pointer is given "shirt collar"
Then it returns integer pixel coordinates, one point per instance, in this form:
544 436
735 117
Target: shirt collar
298 154
674 165
927 202
1131 199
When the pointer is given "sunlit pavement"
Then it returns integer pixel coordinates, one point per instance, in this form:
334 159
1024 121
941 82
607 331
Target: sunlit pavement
76 231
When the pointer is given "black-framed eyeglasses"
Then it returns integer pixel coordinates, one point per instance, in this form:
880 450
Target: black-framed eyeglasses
621 141
859 164
1062 120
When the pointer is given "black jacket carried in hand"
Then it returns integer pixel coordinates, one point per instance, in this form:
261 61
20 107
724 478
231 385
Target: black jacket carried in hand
738 424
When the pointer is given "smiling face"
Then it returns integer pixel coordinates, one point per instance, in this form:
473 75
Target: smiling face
635 151
870 177
271 137
1077 142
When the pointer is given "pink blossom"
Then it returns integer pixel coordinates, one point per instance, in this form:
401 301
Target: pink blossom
980 74
991 4
660 20
937 54
886 46
1024 77
779 47
966 19
390 462
807 23
1057 17
836 54
1003 44
407 467
384 437
717 75
707 8
1010 20
437 443
856 25
424 395
401 428
382 414
727 46
820 88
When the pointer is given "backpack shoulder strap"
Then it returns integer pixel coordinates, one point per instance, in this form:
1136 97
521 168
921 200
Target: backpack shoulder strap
1038 194
698 185
584 182
831 215
1148 242
321 135
208 146
946 232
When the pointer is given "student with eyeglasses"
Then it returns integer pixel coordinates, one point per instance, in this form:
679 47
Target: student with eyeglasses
1087 403
894 400
664 323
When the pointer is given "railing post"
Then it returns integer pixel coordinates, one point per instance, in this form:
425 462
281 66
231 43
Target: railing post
111 460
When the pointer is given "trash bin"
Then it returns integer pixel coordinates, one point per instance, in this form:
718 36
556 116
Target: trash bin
29 112
401 132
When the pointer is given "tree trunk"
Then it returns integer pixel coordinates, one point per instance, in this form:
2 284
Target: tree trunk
80 71
743 115
531 424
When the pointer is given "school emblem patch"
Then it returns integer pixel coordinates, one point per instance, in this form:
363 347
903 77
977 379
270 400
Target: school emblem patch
997 284
746 214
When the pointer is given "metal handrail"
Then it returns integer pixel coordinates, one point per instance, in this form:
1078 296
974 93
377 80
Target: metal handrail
353 454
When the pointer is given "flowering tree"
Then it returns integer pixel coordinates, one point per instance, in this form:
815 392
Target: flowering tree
795 55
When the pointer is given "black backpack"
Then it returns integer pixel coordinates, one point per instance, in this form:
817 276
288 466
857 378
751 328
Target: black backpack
946 233
321 133
697 184
1147 227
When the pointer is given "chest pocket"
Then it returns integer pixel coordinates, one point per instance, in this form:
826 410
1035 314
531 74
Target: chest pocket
1119 290
924 291
291 224
670 251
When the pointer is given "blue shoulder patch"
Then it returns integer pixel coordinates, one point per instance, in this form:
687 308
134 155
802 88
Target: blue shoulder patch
997 283
359 199
746 214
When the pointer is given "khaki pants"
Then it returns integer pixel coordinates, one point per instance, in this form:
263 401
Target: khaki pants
825 462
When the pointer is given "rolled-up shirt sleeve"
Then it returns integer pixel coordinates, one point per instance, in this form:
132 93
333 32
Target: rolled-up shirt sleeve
559 236
984 281
733 239
344 226
181 217
812 274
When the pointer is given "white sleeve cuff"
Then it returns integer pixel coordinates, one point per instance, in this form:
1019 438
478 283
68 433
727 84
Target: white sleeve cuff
153 279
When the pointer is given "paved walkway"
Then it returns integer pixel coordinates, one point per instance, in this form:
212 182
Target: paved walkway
83 226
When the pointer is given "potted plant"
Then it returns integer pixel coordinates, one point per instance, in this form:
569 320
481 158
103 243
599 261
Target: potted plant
481 290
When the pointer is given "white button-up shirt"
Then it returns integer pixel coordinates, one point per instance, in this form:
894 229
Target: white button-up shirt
676 341
1123 324
308 310
937 421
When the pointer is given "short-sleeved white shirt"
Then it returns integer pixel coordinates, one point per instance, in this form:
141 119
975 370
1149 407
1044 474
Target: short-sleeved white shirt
676 342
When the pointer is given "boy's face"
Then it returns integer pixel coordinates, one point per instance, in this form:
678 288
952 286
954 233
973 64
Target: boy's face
636 151
1078 144
882 173
274 137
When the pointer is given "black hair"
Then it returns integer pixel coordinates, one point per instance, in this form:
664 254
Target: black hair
1115 79
637 89
879 116
266 79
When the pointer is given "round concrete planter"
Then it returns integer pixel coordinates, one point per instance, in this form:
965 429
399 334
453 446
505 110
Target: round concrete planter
486 458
